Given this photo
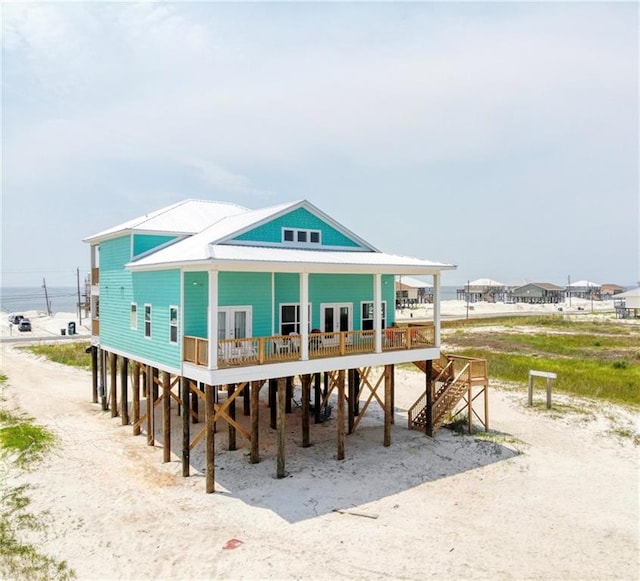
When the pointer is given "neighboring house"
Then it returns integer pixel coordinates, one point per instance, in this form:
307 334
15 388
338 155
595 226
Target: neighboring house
627 304
537 292
483 289
608 290
412 291
583 289
219 296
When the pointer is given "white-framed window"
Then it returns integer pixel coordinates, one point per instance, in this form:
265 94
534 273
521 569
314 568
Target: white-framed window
147 321
133 316
301 237
290 318
367 315
173 324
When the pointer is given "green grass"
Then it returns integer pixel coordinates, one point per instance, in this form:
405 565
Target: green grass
25 443
593 359
72 354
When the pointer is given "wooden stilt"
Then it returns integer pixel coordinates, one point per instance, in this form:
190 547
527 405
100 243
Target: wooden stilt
317 398
194 405
306 394
273 388
210 439
102 387
429 398
143 381
185 390
150 402
351 400
155 384
388 410
231 388
113 393
246 400
94 374
393 394
356 399
166 417
289 394
281 396
136 399
340 415
255 420
124 389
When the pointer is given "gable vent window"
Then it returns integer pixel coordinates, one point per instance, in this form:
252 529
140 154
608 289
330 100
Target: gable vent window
301 237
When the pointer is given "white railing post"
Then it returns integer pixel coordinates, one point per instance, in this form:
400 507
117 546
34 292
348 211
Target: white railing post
436 308
304 316
212 320
377 311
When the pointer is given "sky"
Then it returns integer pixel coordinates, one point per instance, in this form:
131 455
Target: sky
500 137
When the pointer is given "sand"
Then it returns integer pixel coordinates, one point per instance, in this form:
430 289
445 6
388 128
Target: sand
551 495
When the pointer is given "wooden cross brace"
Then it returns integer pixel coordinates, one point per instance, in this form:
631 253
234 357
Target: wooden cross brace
364 382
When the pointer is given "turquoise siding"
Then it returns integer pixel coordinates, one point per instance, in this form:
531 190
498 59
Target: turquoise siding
300 218
145 242
119 288
196 298
248 289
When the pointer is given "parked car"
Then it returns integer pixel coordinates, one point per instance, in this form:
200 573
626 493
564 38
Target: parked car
24 325
15 318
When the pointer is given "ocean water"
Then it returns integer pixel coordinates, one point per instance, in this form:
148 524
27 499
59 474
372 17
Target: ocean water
62 299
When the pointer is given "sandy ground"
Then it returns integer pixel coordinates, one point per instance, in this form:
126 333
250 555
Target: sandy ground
549 496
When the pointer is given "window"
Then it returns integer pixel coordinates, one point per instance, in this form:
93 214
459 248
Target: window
133 317
173 324
147 321
290 319
367 315
301 237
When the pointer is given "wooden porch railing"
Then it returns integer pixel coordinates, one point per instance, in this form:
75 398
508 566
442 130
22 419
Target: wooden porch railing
278 348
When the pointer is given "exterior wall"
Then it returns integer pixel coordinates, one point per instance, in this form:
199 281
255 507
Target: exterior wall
145 242
248 289
300 218
119 288
196 299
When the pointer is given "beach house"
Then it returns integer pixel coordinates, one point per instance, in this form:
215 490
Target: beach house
206 302
537 292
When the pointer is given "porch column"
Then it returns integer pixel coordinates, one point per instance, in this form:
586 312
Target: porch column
212 322
377 311
436 307
304 316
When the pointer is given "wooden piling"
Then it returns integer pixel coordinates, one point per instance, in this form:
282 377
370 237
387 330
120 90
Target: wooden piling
135 411
210 439
255 420
306 394
231 389
194 404
273 411
340 415
185 390
246 400
352 398
317 398
94 374
166 416
289 394
113 369
102 363
388 411
150 407
124 389
281 397
429 397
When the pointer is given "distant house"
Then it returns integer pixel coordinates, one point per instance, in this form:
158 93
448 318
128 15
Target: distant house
583 289
537 292
483 289
608 290
627 304
412 291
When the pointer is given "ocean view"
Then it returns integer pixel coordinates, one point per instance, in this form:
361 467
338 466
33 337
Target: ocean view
62 299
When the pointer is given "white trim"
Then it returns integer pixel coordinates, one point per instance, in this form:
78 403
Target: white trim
273 304
212 319
295 243
133 327
436 308
177 325
377 311
312 246
298 320
335 306
144 318
230 310
305 316
384 320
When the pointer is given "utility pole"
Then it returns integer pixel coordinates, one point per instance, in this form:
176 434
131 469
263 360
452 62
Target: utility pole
46 297
79 305
468 299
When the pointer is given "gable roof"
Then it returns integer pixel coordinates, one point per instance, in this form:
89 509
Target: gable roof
184 218
543 285
485 282
583 284
634 292
410 282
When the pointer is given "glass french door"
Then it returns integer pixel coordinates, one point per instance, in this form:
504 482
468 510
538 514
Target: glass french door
234 323
336 317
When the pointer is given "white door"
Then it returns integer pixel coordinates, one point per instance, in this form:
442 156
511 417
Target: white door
336 317
234 323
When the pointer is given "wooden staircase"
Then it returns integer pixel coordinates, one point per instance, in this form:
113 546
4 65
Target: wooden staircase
452 377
